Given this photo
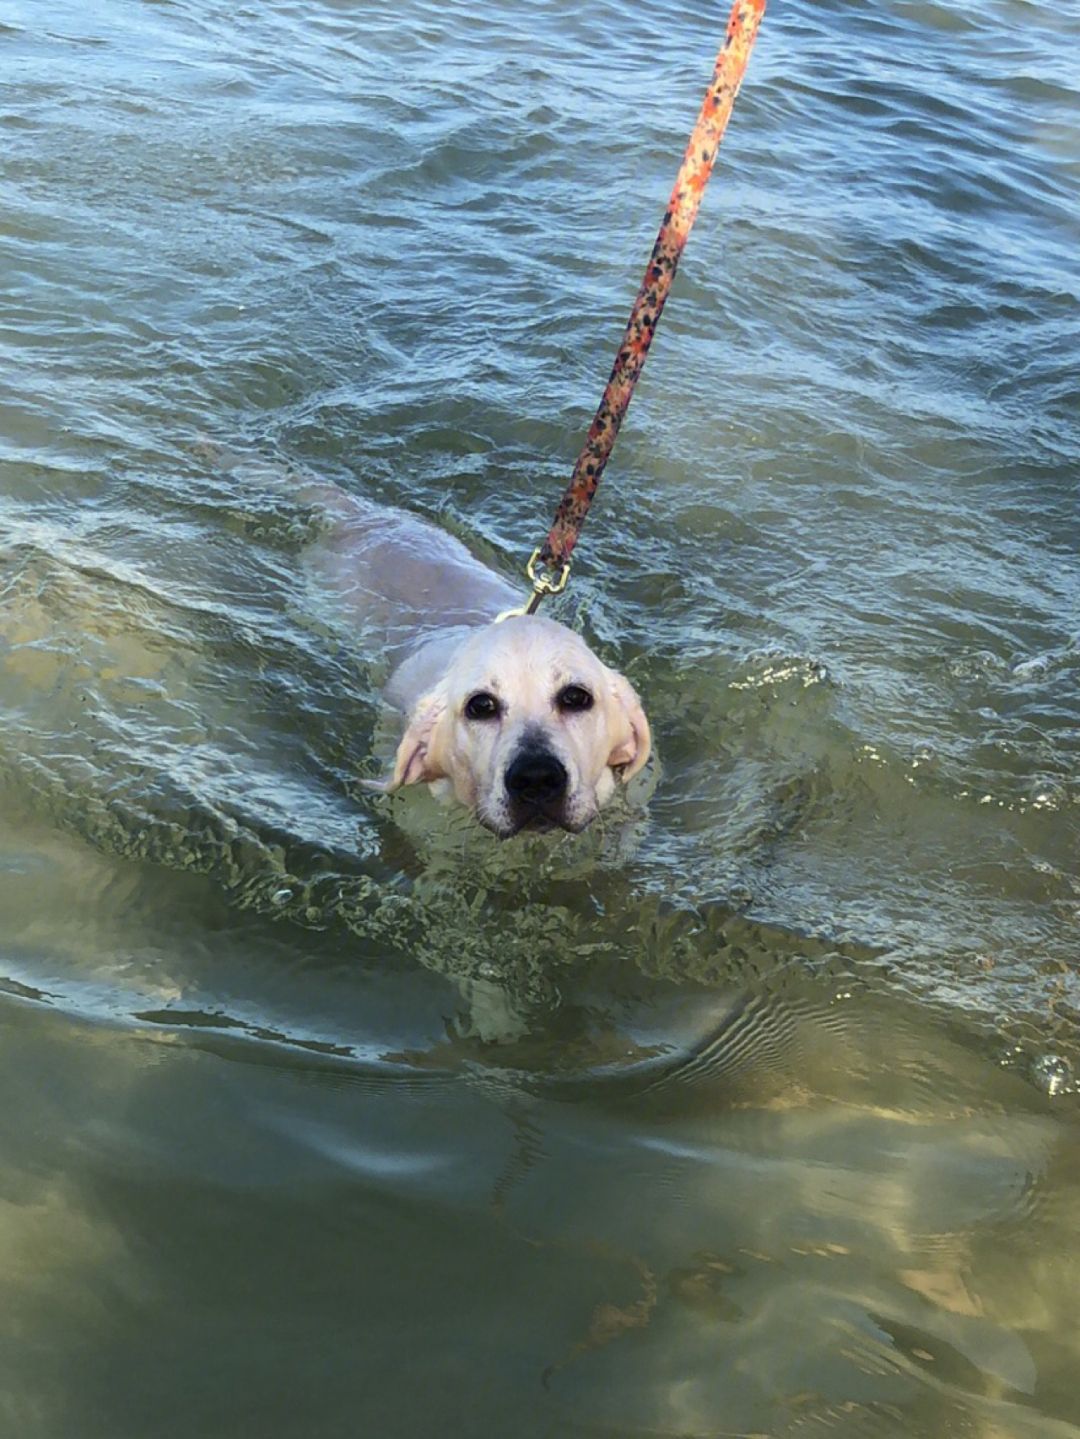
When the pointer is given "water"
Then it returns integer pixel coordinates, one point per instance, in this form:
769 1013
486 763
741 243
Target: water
756 1114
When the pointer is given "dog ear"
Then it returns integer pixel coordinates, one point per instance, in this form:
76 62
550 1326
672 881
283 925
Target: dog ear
420 754
634 739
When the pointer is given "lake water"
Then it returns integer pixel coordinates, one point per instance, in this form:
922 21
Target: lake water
750 1112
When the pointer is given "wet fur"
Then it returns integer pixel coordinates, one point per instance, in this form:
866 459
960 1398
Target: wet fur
434 607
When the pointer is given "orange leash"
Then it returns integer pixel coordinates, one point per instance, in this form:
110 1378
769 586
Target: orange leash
549 567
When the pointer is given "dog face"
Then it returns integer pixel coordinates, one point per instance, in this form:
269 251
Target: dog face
530 729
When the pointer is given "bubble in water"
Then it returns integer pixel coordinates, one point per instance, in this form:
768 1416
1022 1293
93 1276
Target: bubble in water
1047 794
1052 1073
1035 668
980 664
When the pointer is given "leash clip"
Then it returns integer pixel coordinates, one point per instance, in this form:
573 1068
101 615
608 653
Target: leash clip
544 582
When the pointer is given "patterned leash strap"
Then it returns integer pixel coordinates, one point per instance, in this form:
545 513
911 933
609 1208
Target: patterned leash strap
549 567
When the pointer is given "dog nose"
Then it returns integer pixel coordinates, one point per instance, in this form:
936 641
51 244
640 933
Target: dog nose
536 777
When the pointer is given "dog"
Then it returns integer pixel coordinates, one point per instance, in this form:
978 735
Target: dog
515 718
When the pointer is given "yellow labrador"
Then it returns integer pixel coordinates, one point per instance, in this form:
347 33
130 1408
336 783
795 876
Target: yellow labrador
517 719
524 724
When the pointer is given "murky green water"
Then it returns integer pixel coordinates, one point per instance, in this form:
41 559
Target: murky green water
329 1117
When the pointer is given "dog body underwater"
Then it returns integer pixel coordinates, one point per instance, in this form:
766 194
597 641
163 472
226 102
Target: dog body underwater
516 718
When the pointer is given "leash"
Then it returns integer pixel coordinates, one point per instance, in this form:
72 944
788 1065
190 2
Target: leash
549 567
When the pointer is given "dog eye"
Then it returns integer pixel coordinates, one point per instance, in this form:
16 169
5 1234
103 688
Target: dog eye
482 706
574 697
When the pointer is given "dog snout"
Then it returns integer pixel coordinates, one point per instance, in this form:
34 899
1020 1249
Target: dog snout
536 777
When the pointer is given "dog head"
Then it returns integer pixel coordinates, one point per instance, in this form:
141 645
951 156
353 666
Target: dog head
529 728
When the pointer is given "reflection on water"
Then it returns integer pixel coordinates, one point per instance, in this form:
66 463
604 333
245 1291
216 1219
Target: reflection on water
832 1214
753 1109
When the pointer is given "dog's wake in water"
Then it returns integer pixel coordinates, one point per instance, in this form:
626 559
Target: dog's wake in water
211 707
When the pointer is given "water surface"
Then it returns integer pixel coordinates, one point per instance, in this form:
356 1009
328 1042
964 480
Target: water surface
753 1110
